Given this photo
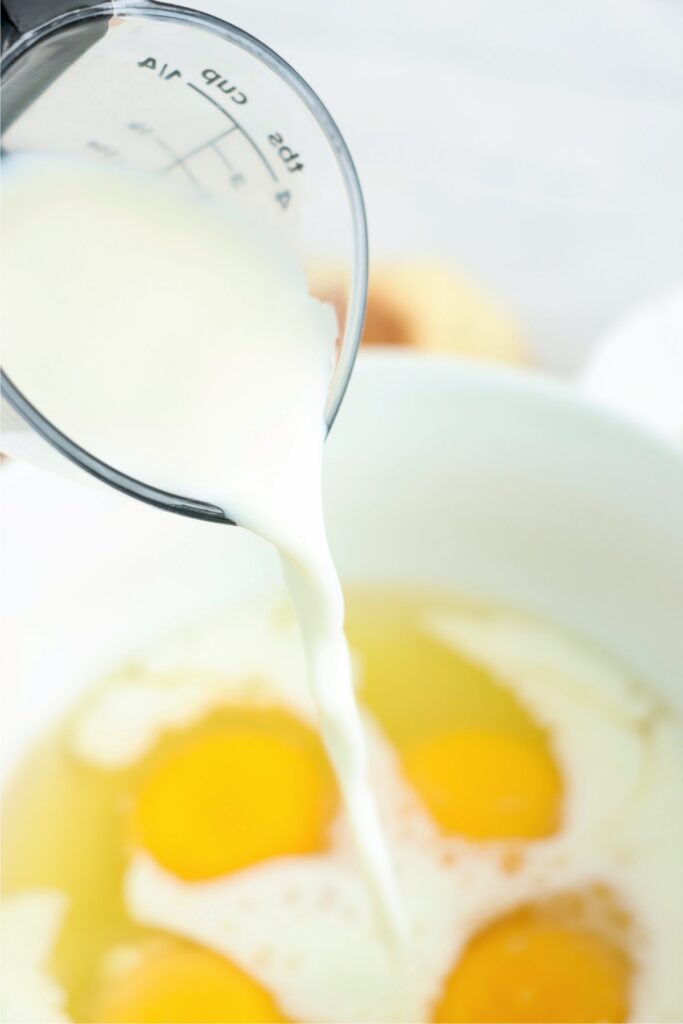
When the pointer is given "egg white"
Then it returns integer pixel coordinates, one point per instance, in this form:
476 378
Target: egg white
31 921
302 925
251 654
620 748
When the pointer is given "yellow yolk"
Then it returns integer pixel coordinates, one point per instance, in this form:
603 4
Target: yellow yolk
527 970
174 983
237 796
486 785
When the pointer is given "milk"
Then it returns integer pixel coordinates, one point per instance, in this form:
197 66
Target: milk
179 345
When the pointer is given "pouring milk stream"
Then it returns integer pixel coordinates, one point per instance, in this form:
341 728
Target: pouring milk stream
174 341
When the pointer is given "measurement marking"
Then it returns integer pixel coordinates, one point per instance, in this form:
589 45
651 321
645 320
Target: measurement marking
221 155
237 125
198 149
178 161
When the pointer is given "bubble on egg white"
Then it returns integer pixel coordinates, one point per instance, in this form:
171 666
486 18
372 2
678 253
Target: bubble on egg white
31 921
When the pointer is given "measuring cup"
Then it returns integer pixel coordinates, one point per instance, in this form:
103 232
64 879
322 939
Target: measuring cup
171 92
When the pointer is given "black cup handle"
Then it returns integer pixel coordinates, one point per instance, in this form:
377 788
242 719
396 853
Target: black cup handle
20 16
25 79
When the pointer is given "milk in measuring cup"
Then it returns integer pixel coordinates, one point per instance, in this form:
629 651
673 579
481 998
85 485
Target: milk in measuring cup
182 347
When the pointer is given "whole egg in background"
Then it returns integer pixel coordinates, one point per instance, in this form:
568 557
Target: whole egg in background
535 147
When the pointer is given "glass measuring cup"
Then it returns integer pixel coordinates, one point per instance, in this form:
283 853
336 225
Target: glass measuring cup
168 91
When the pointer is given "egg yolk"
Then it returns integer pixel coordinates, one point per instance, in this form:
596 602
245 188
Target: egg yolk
486 785
174 983
234 797
525 970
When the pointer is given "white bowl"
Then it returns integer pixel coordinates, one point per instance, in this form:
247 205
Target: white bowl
491 482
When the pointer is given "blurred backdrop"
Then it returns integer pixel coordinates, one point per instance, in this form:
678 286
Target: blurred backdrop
536 147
